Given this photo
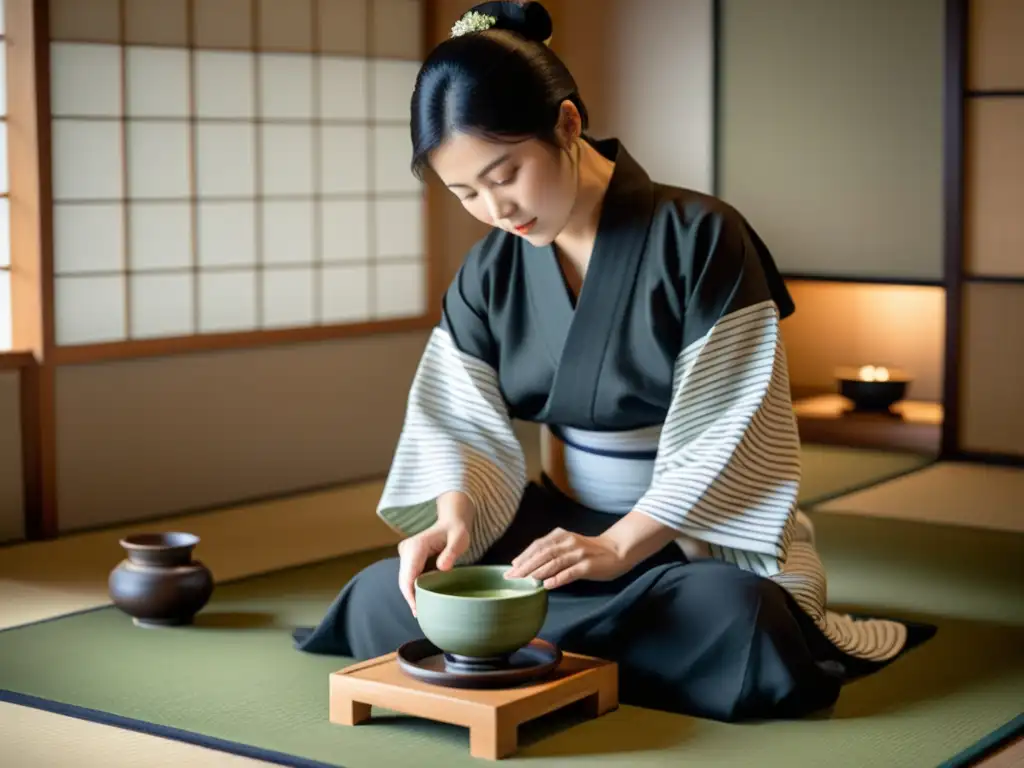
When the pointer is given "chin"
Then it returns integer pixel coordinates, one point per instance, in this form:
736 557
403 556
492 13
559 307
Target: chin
540 241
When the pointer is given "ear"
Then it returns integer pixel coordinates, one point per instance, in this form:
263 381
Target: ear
570 124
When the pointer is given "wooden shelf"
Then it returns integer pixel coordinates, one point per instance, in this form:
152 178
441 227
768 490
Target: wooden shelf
830 419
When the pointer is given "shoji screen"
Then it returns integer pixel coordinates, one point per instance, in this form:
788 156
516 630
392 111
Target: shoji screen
991 398
233 166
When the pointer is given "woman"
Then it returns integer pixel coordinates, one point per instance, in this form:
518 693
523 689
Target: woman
639 323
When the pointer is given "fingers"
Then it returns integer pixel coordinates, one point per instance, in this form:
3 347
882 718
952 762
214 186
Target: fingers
451 541
413 557
558 563
543 542
569 575
546 553
457 543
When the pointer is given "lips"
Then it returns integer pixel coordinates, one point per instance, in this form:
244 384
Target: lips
522 229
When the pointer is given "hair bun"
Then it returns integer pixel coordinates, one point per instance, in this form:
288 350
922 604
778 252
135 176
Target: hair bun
528 19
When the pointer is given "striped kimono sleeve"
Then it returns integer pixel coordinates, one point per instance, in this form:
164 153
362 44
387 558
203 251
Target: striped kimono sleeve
727 470
803 576
457 434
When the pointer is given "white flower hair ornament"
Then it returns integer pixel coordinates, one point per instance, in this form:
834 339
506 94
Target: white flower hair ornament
473 21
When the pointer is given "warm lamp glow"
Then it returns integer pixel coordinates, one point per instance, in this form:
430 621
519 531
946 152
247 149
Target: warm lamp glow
899 326
873 373
873 388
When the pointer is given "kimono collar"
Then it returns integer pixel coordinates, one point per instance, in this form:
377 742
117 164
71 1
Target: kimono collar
578 337
630 185
631 192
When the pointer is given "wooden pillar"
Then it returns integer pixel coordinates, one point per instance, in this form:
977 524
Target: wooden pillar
28 132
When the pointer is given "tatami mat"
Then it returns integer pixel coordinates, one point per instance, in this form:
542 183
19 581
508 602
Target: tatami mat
47 579
43 579
946 493
912 714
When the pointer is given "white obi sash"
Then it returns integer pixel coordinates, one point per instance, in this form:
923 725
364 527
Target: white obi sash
606 471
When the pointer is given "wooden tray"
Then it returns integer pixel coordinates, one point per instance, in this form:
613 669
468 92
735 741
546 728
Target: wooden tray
492 716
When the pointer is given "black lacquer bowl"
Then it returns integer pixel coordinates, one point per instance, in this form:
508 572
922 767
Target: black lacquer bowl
872 389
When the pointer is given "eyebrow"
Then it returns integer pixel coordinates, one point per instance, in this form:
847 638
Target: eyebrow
486 169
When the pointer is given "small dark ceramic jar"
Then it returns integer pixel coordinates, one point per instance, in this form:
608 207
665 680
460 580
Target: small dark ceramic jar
159 584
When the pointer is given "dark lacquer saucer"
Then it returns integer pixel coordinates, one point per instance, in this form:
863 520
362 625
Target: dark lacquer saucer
424 661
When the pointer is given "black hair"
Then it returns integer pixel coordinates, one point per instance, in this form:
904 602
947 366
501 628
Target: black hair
500 83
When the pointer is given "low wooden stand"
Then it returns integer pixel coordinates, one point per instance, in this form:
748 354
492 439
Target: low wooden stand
492 716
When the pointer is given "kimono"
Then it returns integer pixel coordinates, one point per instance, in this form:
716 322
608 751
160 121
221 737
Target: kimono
664 386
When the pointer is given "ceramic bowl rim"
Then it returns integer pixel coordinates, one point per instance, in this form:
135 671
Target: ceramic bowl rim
182 540
538 585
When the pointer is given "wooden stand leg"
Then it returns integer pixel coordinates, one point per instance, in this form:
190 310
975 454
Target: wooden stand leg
493 740
605 699
348 712
597 704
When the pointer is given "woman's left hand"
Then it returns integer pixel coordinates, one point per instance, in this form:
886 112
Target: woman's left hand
562 557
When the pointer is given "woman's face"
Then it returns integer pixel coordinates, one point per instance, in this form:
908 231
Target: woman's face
527 188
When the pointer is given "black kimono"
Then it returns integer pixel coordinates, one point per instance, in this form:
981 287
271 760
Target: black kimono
667 384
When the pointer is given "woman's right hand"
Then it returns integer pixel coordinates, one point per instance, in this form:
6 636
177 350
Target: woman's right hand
447 539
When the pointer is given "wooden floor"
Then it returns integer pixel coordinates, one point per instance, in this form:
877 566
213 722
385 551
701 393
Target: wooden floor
1011 755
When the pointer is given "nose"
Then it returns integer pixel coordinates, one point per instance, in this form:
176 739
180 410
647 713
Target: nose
499 209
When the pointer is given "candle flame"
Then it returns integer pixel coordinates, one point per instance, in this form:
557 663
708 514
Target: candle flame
873 373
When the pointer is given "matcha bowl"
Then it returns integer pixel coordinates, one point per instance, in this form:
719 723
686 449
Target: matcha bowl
476 616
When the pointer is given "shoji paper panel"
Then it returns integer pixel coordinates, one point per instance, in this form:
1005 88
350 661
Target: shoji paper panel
92 20
831 132
991 397
995 58
230 166
156 22
994 187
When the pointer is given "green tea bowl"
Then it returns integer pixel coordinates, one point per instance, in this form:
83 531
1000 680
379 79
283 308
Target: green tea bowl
474 612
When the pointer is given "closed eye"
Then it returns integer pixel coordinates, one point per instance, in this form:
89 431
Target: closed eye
497 183
505 182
